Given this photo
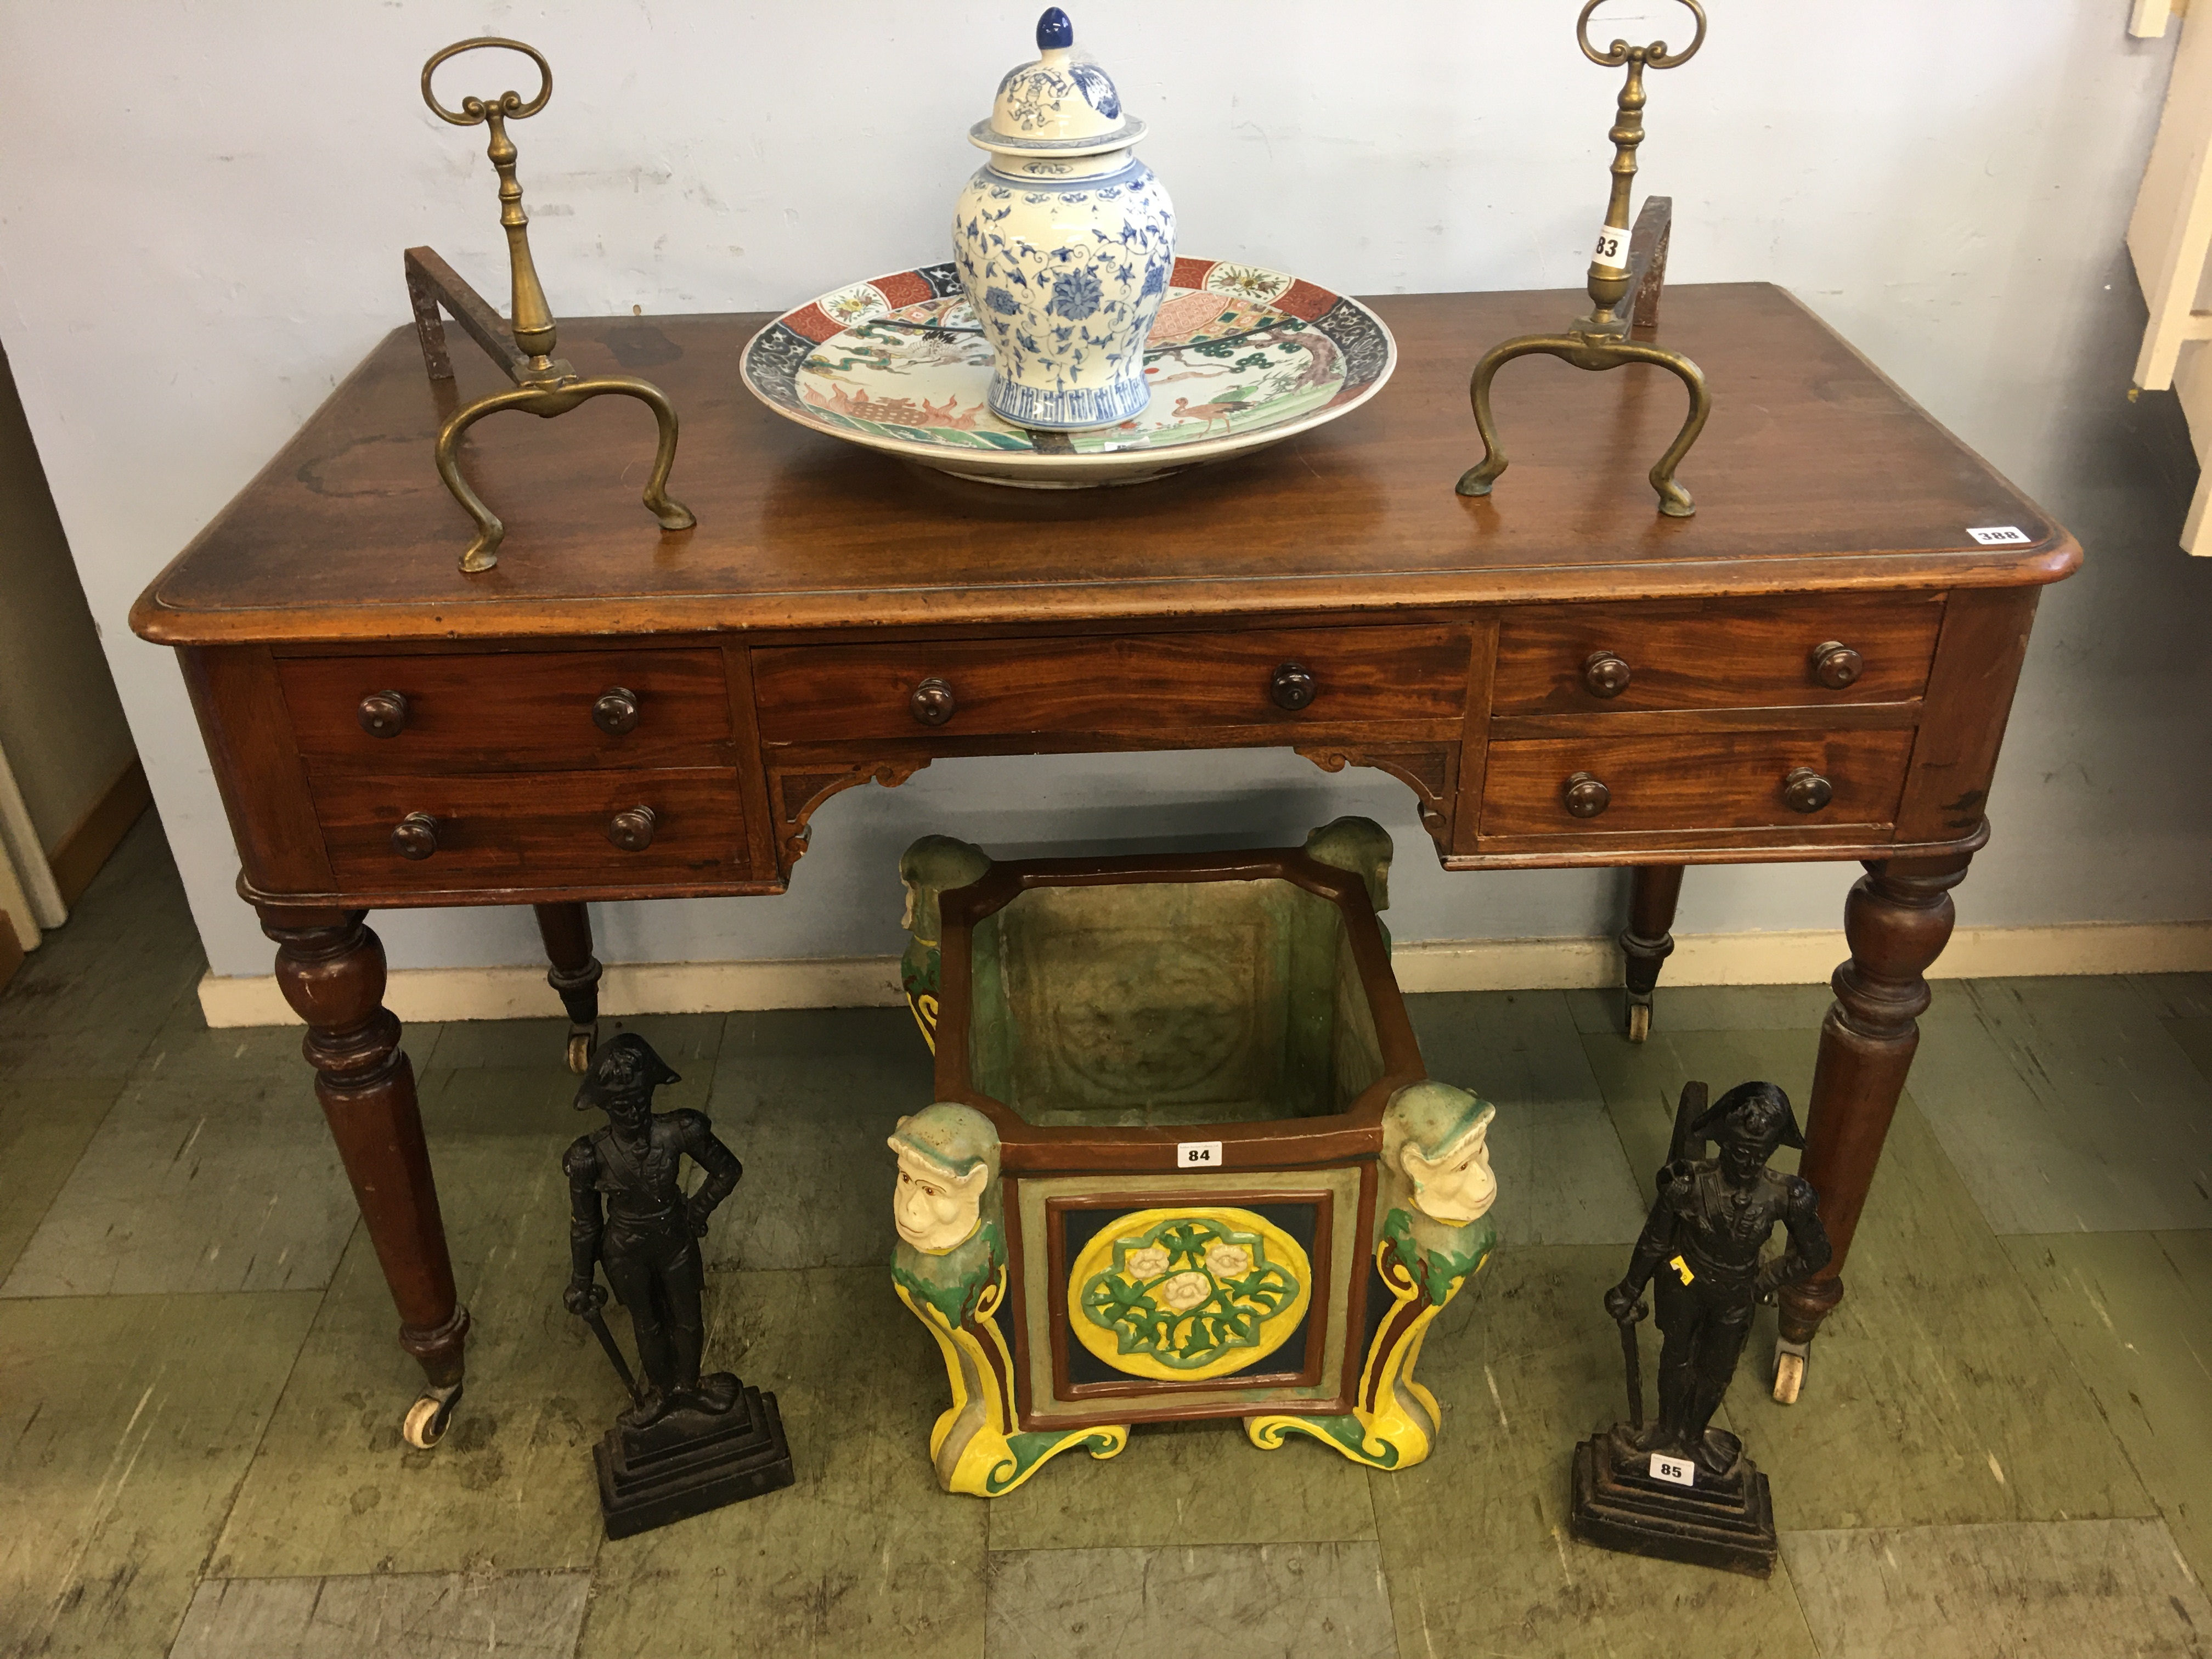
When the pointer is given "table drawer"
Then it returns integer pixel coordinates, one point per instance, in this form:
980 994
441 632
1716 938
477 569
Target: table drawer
533 830
496 711
1721 654
1157 683
1707 781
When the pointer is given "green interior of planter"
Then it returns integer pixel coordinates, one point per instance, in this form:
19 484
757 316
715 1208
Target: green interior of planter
1169 1002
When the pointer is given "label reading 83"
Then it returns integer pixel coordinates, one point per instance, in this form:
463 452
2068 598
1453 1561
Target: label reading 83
1612 248
1680 1470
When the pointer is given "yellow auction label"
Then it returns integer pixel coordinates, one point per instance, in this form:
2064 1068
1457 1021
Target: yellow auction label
1185 1294
1683 1268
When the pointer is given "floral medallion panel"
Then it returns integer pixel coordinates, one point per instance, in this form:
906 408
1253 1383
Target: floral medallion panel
1238 356
1184 1295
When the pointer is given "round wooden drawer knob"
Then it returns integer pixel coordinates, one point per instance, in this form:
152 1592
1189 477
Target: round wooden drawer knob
416 835
632 830
1836 665
1585 796
1293 686
932 702
1605 675
616 712
1806 791
382 713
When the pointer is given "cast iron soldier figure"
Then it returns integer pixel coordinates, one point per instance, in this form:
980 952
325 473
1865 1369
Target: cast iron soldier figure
1702 1244
688 1443
648 1238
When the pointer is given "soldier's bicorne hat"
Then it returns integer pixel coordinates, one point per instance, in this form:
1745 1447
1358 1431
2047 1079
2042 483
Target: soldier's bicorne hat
622 1066
1756 1112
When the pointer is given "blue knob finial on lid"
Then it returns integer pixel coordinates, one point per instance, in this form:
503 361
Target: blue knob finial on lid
1055 28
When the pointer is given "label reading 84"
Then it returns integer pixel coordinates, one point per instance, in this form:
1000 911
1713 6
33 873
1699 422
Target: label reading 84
1680 1470
1198 1155
1612 248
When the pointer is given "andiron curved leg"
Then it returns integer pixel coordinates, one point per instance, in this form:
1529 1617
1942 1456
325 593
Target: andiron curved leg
1478 478
545 402
1589 353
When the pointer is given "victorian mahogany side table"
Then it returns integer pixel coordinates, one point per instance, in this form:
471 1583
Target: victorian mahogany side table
1817 665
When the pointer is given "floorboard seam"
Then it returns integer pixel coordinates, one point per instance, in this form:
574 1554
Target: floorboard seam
245 1470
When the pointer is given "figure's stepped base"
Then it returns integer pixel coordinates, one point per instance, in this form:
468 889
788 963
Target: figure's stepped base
732 1456
1727 1522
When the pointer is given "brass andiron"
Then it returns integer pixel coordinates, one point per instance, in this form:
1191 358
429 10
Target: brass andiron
1624 263
545 384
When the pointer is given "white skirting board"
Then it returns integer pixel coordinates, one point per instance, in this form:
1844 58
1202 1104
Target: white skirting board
1801 958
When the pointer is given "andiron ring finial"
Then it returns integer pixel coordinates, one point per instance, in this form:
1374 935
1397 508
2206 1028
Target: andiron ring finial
1654 55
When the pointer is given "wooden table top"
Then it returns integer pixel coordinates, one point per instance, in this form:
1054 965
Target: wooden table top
1815 473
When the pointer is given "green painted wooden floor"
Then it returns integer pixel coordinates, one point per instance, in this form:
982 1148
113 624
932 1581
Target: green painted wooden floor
2005 1446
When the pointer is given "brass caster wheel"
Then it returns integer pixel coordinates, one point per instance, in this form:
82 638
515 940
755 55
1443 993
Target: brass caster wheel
1789 1372
425 1425
1640 1021
583 1043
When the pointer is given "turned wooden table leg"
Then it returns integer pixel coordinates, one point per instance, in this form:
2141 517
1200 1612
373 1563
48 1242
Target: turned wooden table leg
1647 941
1897 918
566 930
330 969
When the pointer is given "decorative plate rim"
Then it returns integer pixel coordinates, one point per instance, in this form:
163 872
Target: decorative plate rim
1172 457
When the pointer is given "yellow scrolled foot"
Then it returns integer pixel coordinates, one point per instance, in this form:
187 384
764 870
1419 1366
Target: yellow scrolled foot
1397 1426
992 1465
1392 1441
1399 1430
973 1445
671 513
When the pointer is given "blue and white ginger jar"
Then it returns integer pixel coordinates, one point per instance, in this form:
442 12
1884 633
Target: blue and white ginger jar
1064 242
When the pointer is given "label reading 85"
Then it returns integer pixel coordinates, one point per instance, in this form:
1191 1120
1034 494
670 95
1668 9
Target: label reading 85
1612 248
1680 1470
1198 1155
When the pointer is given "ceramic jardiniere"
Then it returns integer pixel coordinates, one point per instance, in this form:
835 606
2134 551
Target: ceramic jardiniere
1064 242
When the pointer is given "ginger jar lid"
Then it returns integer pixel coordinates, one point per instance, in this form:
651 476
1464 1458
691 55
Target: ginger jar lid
1060 105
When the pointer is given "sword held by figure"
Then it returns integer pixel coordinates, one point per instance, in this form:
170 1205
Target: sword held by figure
1630 1357
586 1305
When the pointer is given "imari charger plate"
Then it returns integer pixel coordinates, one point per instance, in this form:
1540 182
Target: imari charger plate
1240 356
